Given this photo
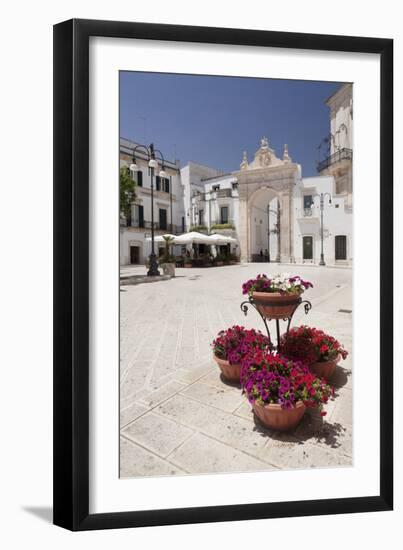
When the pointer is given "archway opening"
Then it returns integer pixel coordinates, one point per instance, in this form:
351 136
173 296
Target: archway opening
264 226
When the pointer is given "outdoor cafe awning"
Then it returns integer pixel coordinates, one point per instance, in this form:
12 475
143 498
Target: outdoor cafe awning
161 239
196 238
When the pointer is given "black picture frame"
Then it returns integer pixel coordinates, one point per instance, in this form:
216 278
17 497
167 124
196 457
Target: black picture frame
71 274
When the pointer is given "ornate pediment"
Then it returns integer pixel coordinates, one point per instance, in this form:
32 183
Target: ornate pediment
265 157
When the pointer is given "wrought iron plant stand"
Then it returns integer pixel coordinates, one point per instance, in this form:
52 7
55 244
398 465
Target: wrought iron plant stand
298 302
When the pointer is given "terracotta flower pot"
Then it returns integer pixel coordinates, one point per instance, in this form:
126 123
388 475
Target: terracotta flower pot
324 369
274 305
274 417
231 373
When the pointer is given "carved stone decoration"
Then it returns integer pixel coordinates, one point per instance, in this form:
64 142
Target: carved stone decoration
286 157
264 157
244 163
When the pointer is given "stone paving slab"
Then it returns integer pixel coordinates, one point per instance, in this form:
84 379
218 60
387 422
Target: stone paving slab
226 399
241 434
157 434
156 397
191 413
136 461
214 457
131 412
287 452
179 416
318 430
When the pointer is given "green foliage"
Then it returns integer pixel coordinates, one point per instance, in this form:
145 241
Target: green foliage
223 226
167 257
198 228
127 191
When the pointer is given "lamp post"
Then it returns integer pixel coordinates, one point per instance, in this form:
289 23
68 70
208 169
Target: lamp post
153 165
170 201
322 206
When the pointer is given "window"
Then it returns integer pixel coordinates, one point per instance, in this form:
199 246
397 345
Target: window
138 216
308 201
340 243
183 224
138 178
216 187
162 184
234 185
162 218
224 214
201 217
141 215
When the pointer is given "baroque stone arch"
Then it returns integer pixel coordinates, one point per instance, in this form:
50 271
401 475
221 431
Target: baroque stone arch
259 238
260 194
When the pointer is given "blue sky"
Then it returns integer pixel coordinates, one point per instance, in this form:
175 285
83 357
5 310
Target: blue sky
213 119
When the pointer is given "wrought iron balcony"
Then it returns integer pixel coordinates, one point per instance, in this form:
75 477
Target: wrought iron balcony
342 154
307 212
166 227
222 193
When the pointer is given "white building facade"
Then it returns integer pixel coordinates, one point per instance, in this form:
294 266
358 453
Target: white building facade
169 215
267 206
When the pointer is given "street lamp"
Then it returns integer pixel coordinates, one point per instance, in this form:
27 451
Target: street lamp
322 206
153 165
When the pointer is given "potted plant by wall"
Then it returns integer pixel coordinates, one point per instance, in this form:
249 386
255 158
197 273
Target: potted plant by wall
281 389
232 345
233 259
277 296
187 261
314 347
167 261
219 260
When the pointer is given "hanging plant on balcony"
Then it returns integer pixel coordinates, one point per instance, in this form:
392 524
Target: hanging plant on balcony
232 345
277 296
319 350
280 389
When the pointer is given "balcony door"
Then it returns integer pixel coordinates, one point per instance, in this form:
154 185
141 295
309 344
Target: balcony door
224 214
307 247
163 219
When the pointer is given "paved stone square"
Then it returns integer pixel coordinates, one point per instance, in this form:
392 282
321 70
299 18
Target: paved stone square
178 416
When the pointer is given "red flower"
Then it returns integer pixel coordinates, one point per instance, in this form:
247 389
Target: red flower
311 345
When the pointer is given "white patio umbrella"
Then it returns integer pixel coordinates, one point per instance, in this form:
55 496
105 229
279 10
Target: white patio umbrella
193 238
221 239
161 239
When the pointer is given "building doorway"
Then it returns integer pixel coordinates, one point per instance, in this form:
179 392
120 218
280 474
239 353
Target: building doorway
134 254
307 247
340 243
